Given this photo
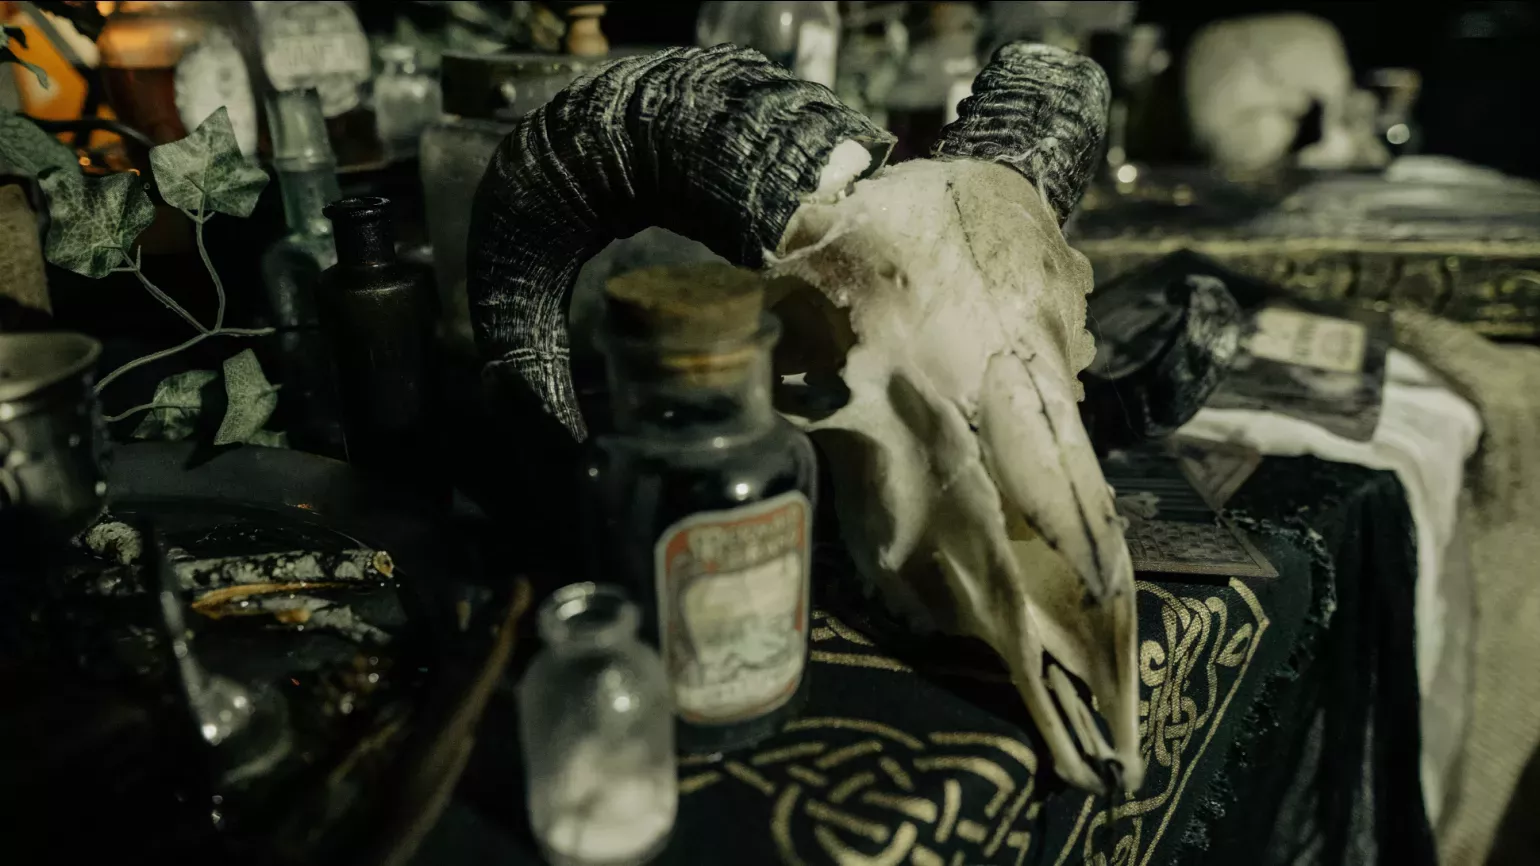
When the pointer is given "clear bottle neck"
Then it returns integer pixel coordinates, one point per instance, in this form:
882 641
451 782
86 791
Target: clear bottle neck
305 193
674 394
583 617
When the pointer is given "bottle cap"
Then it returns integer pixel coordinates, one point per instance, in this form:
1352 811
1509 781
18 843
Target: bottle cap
687 306
300 140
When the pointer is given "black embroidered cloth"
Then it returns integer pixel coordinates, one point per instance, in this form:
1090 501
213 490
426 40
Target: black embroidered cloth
1278 715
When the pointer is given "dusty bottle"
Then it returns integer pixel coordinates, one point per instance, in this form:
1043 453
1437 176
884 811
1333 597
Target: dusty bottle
304 43
377 314
702 498
597 734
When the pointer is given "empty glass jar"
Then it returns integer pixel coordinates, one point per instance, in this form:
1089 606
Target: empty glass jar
598 733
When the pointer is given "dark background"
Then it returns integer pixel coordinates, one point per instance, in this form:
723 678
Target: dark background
1480 61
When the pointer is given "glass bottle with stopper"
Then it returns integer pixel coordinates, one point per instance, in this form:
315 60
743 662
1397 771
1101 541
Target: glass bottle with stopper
702 498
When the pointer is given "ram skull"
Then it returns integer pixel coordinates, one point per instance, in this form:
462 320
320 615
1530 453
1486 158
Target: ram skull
934 321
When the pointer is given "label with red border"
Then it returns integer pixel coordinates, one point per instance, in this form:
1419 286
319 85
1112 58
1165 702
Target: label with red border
733 607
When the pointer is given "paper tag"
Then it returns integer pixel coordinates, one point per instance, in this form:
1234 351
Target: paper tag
212 74
817 47
1309 340
733 607
961 89
315 44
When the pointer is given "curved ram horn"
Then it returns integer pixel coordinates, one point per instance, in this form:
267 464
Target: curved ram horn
720 145
1040 110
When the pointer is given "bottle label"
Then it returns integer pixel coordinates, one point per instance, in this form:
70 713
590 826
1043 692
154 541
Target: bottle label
733 607
315 44
817 46
211 75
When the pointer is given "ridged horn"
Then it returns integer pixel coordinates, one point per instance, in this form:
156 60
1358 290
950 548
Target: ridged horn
1040 110
716 144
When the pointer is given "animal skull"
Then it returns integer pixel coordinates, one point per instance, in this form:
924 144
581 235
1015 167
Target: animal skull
1250 81
965 483
934 320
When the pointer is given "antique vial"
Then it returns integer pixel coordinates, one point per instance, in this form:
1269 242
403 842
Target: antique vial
377 313
703 498
597 733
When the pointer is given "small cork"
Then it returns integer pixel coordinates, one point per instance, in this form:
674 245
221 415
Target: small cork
685 305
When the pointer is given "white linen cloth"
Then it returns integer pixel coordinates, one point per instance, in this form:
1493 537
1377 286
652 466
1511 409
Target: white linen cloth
1425 435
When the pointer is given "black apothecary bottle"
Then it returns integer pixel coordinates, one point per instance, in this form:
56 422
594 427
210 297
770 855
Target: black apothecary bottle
701 498
378 313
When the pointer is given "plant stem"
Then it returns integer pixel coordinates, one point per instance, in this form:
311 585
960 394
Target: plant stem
219 287
162 296
186 344
219 330
112 419
153 356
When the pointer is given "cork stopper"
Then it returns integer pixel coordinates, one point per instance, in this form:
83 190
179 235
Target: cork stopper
696 305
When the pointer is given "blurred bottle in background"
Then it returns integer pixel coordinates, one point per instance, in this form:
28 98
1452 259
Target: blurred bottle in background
166 66
406 100
291 268
876 42
320 44
937 76
801 35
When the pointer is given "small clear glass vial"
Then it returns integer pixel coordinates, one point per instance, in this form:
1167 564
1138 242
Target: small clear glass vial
597 730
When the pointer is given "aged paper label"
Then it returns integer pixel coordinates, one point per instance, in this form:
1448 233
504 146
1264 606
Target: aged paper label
733 607
315 44
1309 340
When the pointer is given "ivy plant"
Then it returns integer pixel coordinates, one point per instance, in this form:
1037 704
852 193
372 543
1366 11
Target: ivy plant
94 224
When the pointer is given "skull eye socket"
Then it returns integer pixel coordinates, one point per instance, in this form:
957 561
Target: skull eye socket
1311 127
816 337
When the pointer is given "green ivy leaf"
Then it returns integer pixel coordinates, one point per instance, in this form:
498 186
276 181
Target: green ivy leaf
206 169
94 220
31 151
251 399
178 404
8 54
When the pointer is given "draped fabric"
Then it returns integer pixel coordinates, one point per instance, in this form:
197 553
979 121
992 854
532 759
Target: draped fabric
911 752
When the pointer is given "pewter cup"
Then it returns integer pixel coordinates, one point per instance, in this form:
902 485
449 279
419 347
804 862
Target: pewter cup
51 483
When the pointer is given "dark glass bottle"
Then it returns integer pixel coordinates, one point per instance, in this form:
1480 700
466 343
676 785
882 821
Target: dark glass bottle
702 500
378 313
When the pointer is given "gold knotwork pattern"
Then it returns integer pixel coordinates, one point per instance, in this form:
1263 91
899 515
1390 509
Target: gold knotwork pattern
1189 674
855 791
862 792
